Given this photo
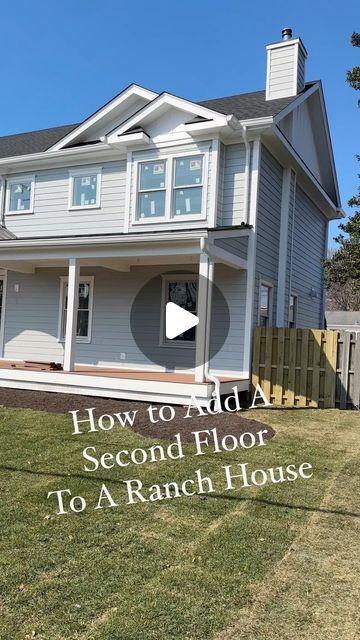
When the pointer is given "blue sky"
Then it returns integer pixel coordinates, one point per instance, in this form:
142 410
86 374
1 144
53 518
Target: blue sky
60 61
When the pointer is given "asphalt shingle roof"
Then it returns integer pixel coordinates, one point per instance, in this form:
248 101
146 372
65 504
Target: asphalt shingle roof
244 106
33 141
249 105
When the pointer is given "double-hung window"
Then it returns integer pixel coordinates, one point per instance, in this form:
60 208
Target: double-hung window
152 190
170 189
292 311
188 187
20 195
84 192
83 310
266 301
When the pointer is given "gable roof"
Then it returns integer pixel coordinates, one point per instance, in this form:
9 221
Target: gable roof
244 106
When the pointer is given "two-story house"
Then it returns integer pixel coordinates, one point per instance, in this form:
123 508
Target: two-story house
156 198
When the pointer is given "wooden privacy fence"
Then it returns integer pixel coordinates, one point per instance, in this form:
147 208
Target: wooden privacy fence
307 367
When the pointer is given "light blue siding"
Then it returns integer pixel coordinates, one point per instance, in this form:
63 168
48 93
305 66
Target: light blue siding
232 284
52 217
289 248
307 269
220 194
237 246
268 227
31 318
234 182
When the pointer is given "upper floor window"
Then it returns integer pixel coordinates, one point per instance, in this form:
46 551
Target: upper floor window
171 188
152 190
292 311
20 195
188 179
85 188
266 300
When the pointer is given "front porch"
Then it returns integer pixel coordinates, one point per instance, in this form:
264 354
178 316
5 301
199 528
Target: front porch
162 387
41 319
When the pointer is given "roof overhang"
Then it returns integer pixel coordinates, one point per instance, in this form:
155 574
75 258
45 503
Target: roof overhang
118 251
105 114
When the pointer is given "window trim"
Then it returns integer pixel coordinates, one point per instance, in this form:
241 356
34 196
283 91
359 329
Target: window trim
169 188
169 277
296 298
15 180
270 285
3 277
79 339
85 171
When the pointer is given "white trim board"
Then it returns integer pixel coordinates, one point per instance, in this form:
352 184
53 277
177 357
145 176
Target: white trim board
121 388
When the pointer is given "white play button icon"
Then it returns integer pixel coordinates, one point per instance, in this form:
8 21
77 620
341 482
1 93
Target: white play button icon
178 320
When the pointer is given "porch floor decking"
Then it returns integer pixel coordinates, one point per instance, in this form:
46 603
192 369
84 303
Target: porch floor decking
107 372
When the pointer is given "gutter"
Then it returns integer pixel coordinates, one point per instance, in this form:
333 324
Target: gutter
101 240
48 155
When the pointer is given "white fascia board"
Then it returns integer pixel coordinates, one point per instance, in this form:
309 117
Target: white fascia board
55 158
226 257
329 143
296 102
172 101
129 139
134 89
332 205
316 88
140 238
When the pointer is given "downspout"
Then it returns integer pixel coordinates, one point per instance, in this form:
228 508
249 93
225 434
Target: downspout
2 201
247 174
216 392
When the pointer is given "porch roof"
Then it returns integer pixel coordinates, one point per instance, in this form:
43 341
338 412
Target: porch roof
121 250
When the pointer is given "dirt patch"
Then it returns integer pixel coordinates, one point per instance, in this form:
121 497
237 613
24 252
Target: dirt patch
225 423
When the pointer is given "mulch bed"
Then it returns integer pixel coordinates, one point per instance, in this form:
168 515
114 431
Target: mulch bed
225 423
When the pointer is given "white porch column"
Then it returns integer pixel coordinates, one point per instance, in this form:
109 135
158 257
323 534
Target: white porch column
203 296
71 315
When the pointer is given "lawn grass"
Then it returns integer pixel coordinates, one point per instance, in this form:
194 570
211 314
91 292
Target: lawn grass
279 561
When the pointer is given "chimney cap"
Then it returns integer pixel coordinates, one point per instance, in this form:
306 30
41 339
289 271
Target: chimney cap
286 33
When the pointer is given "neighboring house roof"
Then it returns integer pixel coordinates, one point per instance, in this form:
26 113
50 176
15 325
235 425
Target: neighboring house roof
244 106
343 318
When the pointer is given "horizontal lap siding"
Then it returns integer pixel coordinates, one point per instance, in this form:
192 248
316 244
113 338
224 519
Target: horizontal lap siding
281 72
232 284
268 226
308 253
289 248
51 206
31 318
233 185
220 192
237 246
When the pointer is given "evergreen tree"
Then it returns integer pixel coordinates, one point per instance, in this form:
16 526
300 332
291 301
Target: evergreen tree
343 268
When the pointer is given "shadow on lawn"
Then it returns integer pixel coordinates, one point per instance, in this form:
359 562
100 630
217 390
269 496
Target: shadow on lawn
264 501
